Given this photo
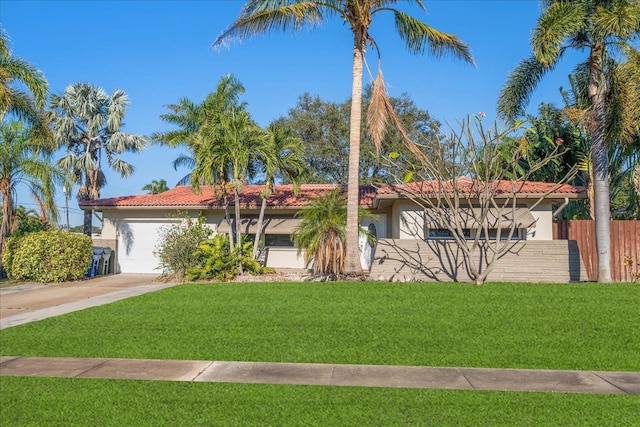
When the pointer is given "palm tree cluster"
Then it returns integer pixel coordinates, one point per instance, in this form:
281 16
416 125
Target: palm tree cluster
84 120
23 150
227 148
22 162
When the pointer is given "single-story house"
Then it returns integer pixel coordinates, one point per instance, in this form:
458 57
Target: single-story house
411 245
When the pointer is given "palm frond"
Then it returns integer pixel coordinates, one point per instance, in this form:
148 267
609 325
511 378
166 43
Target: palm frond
262 16
123 168
377 112
419 37
16 69
515 94
116 110
621 20
559 21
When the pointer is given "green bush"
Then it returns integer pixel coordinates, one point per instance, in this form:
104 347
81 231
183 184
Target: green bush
10 246
216 261
48 256
177 245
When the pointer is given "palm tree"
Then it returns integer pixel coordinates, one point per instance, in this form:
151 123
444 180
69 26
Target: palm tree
230 149
88 122
322 233
283 155
190 117
16 73
28 221
196 122
22 162
600 27
262 16
156 187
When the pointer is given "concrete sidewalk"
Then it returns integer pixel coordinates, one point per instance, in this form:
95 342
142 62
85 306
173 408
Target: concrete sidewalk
326 374
27 303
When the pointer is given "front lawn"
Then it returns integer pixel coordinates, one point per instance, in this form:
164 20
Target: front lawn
573 326
500 325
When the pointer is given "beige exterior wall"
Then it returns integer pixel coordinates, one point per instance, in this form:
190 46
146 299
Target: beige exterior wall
544 222
111 218
285 258
407 221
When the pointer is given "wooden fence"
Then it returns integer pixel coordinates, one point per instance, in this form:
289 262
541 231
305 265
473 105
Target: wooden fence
625 241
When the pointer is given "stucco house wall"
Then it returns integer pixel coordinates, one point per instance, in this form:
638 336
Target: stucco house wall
409 221
133 223
543 214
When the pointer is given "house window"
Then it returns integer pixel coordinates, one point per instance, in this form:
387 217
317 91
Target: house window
373 231
280 240
469 234
445 234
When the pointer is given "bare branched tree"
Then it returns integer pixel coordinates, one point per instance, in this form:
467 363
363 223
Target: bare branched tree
472 187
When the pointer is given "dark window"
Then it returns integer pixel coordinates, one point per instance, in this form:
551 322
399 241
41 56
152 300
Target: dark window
443 233
282 240
372 230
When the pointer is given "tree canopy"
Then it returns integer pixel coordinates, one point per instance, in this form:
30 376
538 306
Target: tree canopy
323 128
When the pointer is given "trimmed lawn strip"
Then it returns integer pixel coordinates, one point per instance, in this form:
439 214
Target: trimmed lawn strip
586 326
63 401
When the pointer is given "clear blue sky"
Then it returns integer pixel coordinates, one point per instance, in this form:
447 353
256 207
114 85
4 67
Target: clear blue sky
159 51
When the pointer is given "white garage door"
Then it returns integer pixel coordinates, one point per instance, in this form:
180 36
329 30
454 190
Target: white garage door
137 242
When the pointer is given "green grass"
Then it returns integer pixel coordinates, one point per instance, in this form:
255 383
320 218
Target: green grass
577 326
574 326
66 402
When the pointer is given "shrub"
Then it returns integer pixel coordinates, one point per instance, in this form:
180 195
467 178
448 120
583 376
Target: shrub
216 261
634 270
48 256
177 245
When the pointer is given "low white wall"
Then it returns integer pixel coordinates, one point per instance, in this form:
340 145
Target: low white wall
279 257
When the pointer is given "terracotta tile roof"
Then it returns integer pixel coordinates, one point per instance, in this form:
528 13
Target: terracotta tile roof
283 196
469 186
182 196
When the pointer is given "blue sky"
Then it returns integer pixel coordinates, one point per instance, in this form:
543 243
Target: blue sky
159 51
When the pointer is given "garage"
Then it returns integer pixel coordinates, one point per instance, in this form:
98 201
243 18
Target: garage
137 242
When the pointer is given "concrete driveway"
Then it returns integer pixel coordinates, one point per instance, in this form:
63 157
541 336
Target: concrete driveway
30 302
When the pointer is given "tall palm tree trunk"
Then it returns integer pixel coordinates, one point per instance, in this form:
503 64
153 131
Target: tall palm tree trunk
84 194
352 262
601 193
236 196
7 219
227 217
256 241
